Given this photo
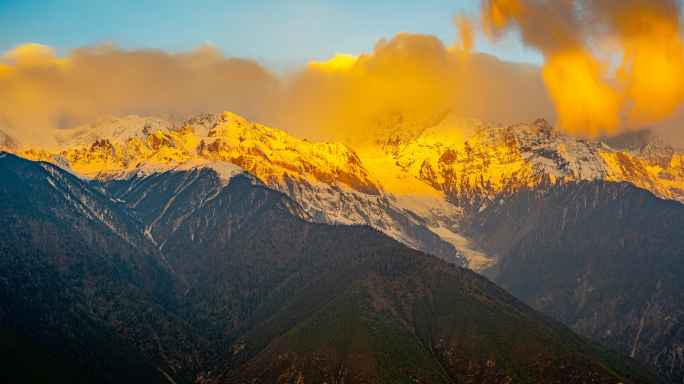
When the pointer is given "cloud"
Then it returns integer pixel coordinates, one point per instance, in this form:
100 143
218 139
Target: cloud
608 65
412 74
31 55
40 92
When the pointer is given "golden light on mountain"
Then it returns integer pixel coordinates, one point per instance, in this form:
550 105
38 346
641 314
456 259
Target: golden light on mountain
413 208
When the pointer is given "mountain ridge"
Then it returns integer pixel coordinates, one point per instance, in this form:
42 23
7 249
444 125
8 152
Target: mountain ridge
430 175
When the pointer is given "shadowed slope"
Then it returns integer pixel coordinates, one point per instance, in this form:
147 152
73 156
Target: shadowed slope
79 278
407 317
605 258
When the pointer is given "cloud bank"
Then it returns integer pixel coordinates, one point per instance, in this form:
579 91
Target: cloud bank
609 65
413 74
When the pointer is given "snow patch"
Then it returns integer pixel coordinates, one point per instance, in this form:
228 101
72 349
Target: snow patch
226 171
433 209
477 261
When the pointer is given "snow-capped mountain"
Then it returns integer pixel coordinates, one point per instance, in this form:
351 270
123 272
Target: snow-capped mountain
327 179
475 164
416 181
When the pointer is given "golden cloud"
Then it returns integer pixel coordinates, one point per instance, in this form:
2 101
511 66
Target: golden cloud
412 74
580 40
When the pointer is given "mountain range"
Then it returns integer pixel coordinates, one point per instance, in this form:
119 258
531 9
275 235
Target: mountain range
415 181
213 249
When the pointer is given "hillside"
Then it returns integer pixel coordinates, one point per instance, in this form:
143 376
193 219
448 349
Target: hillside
604 258
80 278
416 319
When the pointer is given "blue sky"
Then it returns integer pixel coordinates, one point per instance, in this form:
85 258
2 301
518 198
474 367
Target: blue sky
278 32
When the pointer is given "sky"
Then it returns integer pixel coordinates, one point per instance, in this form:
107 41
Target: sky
279 33
589 67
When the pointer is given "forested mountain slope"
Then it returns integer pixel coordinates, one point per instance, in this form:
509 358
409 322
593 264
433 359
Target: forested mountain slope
605 258
79 277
